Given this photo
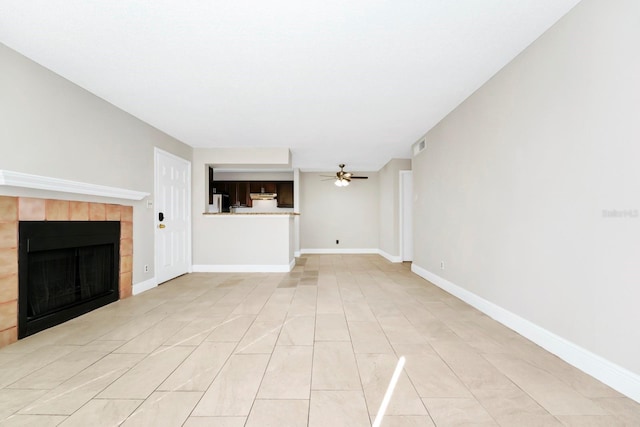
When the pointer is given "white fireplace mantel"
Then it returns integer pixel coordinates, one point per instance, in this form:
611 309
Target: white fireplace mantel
25 180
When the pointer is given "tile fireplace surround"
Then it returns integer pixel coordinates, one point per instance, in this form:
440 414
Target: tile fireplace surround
15 209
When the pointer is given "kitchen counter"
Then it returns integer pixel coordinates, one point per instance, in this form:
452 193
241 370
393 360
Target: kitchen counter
245 242
250 213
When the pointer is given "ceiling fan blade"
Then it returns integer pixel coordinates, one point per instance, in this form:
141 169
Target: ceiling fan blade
342 177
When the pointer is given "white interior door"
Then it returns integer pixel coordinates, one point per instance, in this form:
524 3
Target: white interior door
406 215
172 215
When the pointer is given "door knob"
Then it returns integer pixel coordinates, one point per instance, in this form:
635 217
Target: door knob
160 216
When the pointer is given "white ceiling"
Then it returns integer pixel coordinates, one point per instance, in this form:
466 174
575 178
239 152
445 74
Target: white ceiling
353 81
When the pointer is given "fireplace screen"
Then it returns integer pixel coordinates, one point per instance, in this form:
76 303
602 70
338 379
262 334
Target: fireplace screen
66 269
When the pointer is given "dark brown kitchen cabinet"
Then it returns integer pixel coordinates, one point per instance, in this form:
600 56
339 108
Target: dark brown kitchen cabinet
240 191
217 187
285 194
263 186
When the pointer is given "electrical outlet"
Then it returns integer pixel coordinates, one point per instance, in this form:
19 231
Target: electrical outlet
146 268
337 242
441 265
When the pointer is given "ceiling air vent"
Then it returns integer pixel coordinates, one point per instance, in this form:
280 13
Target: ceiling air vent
419 146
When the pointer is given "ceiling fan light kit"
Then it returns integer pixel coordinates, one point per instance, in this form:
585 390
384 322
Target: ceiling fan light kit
342 178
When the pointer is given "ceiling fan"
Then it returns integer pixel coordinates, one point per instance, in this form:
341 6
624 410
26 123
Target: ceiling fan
342 178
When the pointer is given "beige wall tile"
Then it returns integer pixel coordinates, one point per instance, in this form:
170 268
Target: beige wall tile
79 211
8 315
8 288
126 213
8 262
126 264
97 212
126 247
8 208
8 235
113 212
125 285
126 230
8 336
56 210
31 209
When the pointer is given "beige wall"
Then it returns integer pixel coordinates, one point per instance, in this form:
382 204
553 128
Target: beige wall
389 207
249 157
513 184
349 214
54 128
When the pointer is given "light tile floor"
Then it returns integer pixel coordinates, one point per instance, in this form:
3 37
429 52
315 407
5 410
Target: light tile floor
314 347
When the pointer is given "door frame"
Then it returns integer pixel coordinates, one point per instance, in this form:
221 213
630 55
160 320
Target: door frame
156 258
403 175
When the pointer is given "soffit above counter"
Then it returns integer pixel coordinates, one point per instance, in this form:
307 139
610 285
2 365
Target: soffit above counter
276 158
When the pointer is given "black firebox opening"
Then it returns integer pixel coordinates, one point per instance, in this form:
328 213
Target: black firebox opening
65 269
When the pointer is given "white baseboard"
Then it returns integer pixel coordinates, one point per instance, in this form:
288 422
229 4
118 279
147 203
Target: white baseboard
615 376
296 254
340 251
139 288
392 258
243 268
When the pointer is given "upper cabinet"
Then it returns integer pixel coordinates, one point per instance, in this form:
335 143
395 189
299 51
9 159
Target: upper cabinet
285 194
263 187
239 191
